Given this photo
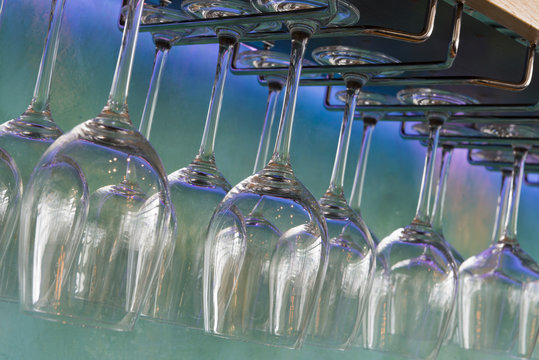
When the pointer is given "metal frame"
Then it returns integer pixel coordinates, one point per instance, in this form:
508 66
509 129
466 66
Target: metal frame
472 142
520 85
316 13
377 68
323 12
403 109
498 166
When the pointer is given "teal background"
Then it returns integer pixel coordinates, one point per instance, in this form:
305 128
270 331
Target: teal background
87 55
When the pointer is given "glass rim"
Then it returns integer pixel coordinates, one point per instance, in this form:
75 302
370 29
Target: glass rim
367 98
418 96
228 7
324 55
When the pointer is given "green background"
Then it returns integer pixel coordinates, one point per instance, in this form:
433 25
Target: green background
87 55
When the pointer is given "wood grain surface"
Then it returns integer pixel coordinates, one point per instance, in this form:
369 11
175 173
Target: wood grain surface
520 16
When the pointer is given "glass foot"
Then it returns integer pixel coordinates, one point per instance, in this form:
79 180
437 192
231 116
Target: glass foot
427 96
347 14
343 55
509 130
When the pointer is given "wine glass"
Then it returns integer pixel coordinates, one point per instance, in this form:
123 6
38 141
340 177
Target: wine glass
87 262
197 188
422 274
493 283
351 256
277 280
266 59
437 222
22 142
437 215
370 119
377 300
163 41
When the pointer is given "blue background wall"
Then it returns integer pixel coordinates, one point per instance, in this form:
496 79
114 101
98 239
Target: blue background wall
89 43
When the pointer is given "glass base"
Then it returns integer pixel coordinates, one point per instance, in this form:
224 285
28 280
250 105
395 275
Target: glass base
427 96
189 325
346 15
344 55
264 338
117 319
211 9
509 130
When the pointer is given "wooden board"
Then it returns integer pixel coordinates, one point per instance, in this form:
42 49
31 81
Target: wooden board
520 16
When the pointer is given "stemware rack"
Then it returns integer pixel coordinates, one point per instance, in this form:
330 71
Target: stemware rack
437 43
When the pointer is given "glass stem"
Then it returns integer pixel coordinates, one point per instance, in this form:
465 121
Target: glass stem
281 154
359 177
422 216
117 101
339 166
509 233
439 199
501 208
274 89
226 45
161 52
40 100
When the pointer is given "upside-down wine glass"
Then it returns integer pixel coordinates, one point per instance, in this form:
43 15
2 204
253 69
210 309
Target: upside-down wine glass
437 215
279 278
86 262
529 303
370 119
163 41
351 261
492 283
256 226
501 205
255 223
22 142
379 283
197 188
422 274
266 59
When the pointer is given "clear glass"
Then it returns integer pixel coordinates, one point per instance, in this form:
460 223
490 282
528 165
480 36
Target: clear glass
448 130
265 59
439 199
351 261
163 42
437 223
492 285
419 271
335 325
23 141
196 190
528 331
96 215
501 207
347 14
342 301
509 130
261 282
